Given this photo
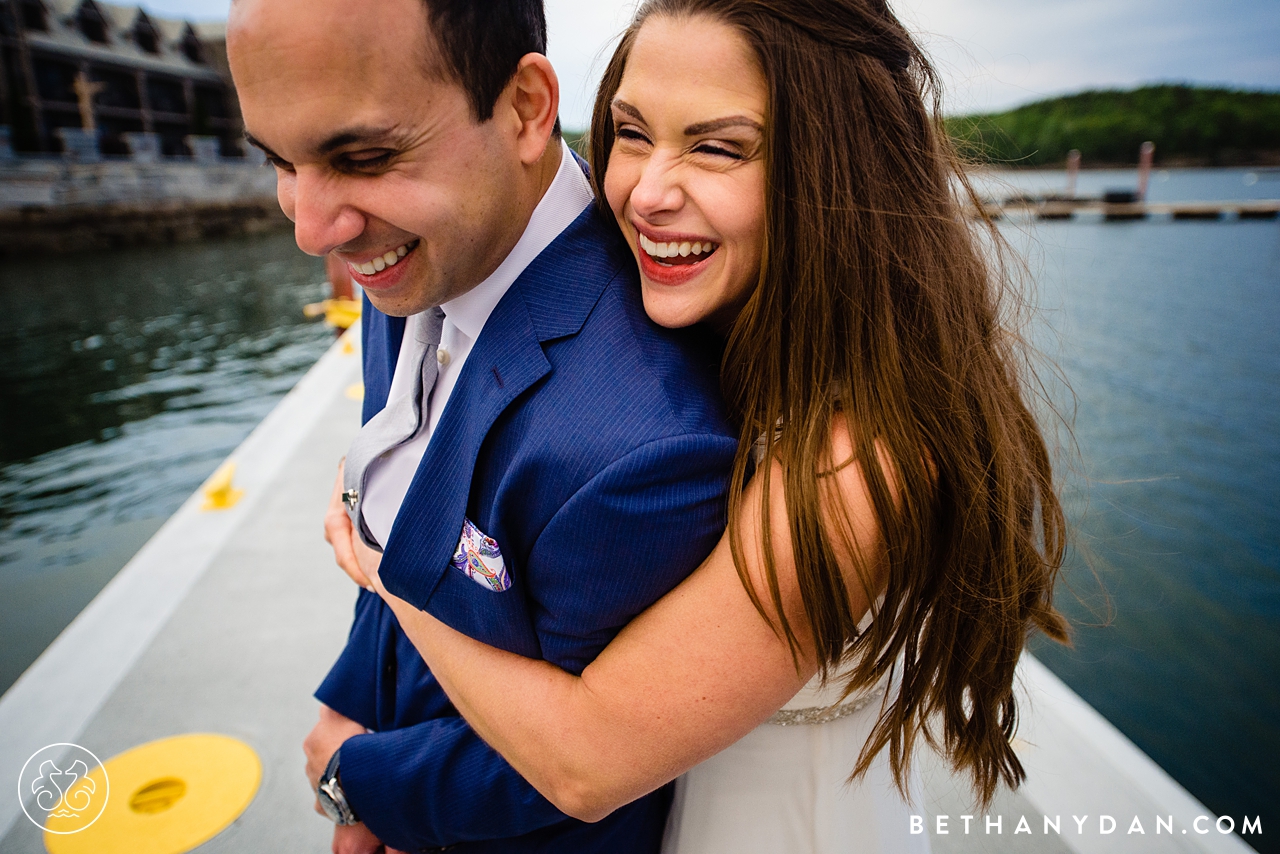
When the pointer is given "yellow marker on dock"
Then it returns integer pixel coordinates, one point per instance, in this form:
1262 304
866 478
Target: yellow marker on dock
167 797
219 492
348 345
338 313
355 391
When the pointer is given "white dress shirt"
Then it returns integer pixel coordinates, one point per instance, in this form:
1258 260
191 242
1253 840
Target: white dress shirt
387 479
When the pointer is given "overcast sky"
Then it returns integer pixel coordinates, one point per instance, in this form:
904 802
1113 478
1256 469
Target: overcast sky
993 53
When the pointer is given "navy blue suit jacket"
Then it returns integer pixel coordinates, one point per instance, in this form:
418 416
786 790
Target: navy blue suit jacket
592 445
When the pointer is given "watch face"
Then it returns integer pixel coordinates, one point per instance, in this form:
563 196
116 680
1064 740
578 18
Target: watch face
330 805
326 800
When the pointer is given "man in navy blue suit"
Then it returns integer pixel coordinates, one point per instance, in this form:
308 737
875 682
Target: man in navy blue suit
539 462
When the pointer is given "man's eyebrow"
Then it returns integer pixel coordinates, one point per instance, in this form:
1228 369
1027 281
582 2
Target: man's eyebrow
353 135
338 140
720 124
256 143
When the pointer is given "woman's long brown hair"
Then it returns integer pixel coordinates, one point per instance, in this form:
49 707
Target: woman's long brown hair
877 300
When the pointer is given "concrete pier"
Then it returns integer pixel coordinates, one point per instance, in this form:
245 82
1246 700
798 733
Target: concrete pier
60 205
226 621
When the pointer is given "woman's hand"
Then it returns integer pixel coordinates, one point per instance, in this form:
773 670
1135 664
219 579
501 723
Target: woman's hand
367 563
415 623
339 533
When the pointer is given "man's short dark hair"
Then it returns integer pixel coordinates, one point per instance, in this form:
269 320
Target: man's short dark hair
482 42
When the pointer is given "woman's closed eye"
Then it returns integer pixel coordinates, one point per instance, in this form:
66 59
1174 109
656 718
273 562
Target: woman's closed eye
630 133
718 149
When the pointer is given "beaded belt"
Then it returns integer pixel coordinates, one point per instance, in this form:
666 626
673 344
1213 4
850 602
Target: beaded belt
825 714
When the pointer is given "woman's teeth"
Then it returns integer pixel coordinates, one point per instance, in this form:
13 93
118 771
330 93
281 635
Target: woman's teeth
675 250
382 262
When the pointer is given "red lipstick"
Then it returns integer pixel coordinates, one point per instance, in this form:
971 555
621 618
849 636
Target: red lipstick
679 270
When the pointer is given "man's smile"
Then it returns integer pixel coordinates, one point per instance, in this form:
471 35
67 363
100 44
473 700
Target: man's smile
378 263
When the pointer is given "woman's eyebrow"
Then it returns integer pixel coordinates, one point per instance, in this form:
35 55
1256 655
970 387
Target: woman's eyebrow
623 107
720 124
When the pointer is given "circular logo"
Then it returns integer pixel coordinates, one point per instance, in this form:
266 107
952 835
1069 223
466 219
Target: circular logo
63 788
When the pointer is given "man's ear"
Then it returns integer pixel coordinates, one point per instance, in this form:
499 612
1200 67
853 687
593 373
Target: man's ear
533 96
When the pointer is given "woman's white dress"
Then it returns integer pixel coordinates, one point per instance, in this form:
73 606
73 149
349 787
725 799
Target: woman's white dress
782 789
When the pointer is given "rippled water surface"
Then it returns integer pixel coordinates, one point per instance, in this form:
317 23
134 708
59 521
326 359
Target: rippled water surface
128 377
125 379
1169 334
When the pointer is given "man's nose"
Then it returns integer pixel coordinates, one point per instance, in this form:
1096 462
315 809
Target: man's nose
658 191
324 217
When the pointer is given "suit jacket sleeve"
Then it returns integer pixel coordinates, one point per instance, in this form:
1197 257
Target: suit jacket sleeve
351 687
622 541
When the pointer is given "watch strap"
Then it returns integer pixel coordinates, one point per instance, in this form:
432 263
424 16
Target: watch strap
332 797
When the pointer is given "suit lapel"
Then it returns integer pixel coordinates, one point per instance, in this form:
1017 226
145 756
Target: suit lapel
551 299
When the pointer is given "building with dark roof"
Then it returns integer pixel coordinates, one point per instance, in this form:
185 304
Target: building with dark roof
134 82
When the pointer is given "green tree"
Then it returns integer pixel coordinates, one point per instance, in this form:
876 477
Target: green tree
1189 124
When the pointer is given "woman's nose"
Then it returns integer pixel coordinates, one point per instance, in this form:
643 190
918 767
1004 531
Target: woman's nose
324 217
658 191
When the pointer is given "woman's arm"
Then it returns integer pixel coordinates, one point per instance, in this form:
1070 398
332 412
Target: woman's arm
691 675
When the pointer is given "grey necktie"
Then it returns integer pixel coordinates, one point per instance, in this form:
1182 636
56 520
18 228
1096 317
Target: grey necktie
400 420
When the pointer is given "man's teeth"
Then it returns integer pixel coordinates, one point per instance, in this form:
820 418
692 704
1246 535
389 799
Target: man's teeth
671 250
382 262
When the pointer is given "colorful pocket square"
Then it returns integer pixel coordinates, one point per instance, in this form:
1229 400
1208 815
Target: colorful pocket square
480 558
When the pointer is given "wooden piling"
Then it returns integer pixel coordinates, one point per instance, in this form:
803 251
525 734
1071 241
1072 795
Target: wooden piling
1073 171
1146 155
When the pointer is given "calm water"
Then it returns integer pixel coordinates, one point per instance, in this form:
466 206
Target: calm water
1168 334
127 378
130 376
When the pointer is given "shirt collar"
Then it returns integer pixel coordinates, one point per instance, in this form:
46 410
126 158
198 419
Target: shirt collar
566 198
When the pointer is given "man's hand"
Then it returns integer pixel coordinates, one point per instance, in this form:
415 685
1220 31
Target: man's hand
324 740
356 839
339 533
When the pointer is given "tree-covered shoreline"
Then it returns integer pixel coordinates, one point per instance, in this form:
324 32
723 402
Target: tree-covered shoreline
1191 126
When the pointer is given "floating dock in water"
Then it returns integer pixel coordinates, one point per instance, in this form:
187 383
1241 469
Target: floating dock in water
227 620
1094 210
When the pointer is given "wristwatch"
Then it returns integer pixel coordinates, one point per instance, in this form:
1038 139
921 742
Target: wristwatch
332 799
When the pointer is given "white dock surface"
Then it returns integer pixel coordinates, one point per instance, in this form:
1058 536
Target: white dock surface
225 622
